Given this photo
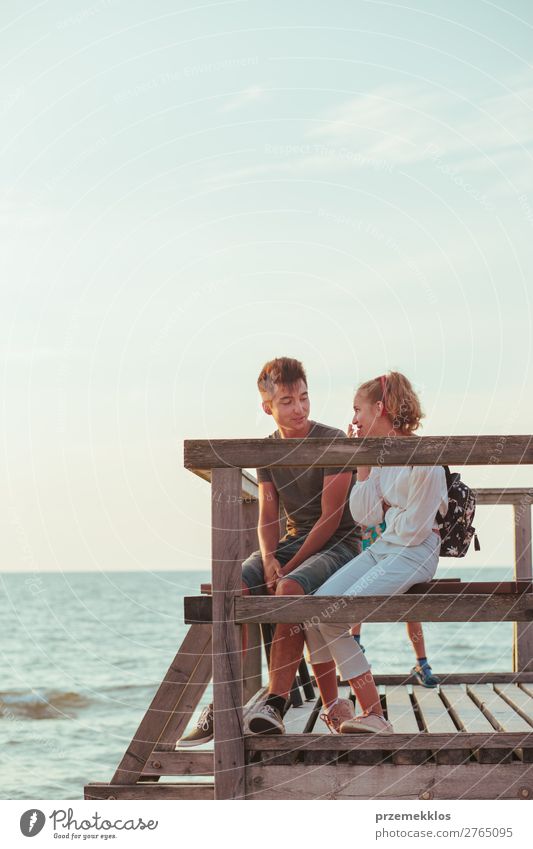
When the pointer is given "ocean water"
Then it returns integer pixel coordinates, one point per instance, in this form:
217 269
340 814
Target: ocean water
83 654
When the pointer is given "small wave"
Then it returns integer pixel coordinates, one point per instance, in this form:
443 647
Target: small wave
42 704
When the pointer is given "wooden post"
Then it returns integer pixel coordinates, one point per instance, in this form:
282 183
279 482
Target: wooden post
227 647
248 543
523 631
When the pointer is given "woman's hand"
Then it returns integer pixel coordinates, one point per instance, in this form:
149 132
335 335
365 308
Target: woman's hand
351 431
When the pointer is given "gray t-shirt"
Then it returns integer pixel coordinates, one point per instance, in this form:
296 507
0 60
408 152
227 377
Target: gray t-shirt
300 493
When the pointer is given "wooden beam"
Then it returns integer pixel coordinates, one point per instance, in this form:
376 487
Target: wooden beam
386 782
175 700
146 790
388 742
507 495
180 762
227 642
349 453
403 608
248 543
462 606
523 632
462 678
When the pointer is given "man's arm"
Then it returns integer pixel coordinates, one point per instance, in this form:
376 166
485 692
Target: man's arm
268 532
333 500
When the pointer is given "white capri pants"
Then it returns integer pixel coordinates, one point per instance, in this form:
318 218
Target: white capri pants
382 569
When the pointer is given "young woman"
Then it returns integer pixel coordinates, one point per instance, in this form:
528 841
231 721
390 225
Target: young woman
407 498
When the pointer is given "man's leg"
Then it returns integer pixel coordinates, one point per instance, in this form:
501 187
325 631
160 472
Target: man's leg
287 646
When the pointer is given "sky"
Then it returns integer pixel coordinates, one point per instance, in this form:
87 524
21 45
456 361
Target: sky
188 190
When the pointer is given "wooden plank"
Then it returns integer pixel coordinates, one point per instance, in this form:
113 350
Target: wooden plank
194 690
527 688
400 712
249 485
499 712
180 762
160 790
178 693
461 678
385 781
433 712
520 700
452 586
297 719
505 495
466 713
350 453
523 632
227 641
401 608
484 495
428 607
437 720
389 742
463 709
249 542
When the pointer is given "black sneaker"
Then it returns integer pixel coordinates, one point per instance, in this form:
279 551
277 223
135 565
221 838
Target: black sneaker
203 733
424 675
265 719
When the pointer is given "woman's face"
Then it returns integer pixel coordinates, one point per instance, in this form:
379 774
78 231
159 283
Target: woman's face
367 419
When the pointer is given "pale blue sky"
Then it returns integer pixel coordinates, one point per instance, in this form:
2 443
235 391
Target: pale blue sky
187 191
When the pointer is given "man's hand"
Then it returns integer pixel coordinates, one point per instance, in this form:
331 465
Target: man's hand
272 572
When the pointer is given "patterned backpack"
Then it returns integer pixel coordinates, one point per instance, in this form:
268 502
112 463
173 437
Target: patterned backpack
455 528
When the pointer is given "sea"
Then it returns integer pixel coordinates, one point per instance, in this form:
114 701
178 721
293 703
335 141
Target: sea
83 653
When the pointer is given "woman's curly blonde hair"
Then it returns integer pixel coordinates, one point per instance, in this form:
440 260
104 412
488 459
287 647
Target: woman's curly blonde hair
399 398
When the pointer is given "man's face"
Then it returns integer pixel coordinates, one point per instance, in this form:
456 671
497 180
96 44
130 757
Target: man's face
289 406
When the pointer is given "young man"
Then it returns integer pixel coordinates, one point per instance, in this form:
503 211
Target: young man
320 537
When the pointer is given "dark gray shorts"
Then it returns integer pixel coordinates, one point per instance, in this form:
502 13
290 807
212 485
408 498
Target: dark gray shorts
310 574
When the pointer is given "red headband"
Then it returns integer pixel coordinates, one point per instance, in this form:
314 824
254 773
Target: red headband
383 381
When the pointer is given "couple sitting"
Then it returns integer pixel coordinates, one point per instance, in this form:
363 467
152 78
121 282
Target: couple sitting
320 552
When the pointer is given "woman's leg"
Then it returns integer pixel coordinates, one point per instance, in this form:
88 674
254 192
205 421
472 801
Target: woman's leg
326 679
397 570
366 693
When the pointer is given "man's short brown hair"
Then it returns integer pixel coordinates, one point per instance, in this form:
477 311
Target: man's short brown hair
283 371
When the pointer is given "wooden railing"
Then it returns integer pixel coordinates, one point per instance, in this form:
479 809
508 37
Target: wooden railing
234 522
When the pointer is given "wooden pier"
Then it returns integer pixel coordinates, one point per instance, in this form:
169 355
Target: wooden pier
470 739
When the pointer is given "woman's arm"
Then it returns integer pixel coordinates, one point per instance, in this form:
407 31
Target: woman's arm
366 500
427 491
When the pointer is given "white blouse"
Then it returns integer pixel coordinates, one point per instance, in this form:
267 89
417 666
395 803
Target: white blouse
415 493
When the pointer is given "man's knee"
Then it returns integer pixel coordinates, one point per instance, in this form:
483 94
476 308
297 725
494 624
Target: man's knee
289 587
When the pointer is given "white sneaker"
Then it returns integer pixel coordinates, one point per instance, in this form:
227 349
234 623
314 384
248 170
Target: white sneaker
373 722
339 713
264 719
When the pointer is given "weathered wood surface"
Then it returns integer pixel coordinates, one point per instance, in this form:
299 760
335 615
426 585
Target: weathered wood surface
402 608
175 700
400 712
386 781
160 790
350 453
499 712
521 701
249 542
505 495
437 720
227 655
454 586
523 632
249 485
180 762
460 678
389 742
429 607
